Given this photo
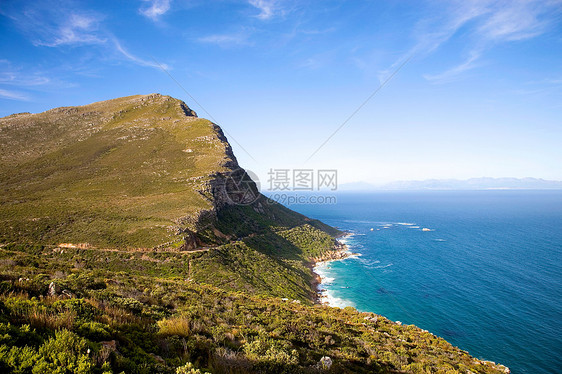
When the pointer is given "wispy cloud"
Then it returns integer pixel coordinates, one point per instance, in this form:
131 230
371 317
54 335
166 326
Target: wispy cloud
548 85
67 25
485 24
454 72
12 95
267 8
53 24
517 20
74 29
138 60
10 75
226 40
16 79
155 9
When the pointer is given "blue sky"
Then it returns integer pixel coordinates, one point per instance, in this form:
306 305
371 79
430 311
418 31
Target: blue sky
476 87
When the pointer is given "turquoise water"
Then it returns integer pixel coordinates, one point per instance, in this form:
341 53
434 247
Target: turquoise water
487 277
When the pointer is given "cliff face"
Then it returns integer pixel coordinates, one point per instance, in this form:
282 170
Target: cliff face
138 171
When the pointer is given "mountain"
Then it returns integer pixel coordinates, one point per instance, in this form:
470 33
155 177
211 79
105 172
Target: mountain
140 171
455 184
132 241
356 186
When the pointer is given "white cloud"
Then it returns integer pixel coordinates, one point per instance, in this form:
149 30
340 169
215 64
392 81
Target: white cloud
267 8
17 79
549 85
138 60
454 72
156 9
57 23
432 32
12 95
225 40
486 23
516 20
47 25
69 30
14 76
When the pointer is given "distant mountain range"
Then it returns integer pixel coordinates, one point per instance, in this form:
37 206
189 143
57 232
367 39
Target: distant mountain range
456 184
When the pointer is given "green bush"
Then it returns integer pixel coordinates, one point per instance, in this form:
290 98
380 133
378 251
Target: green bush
83 310
64 353
189 369
94 331
17 359
273 351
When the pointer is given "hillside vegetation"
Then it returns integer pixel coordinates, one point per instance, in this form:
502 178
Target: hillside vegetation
120 173
138 312
125 246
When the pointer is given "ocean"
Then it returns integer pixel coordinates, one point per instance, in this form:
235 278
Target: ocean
482 269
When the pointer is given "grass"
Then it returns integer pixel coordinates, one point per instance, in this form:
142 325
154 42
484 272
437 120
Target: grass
113 174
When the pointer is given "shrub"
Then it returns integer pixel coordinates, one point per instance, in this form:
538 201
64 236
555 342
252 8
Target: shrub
82 309
18 335
64 353
94 331
17 359
129 303
189 369
273 351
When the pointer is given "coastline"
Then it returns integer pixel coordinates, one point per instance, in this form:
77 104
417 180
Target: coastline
340 252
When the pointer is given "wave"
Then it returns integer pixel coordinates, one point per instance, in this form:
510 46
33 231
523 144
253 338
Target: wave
383 266
328 297
321 269
369 263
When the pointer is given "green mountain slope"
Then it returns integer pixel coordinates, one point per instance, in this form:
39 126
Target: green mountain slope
123 172
131 240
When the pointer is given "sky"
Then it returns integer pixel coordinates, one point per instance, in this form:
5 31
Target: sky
377 90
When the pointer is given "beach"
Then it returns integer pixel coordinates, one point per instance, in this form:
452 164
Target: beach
319 267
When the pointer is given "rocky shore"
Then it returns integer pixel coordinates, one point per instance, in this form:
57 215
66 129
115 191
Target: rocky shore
341 251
